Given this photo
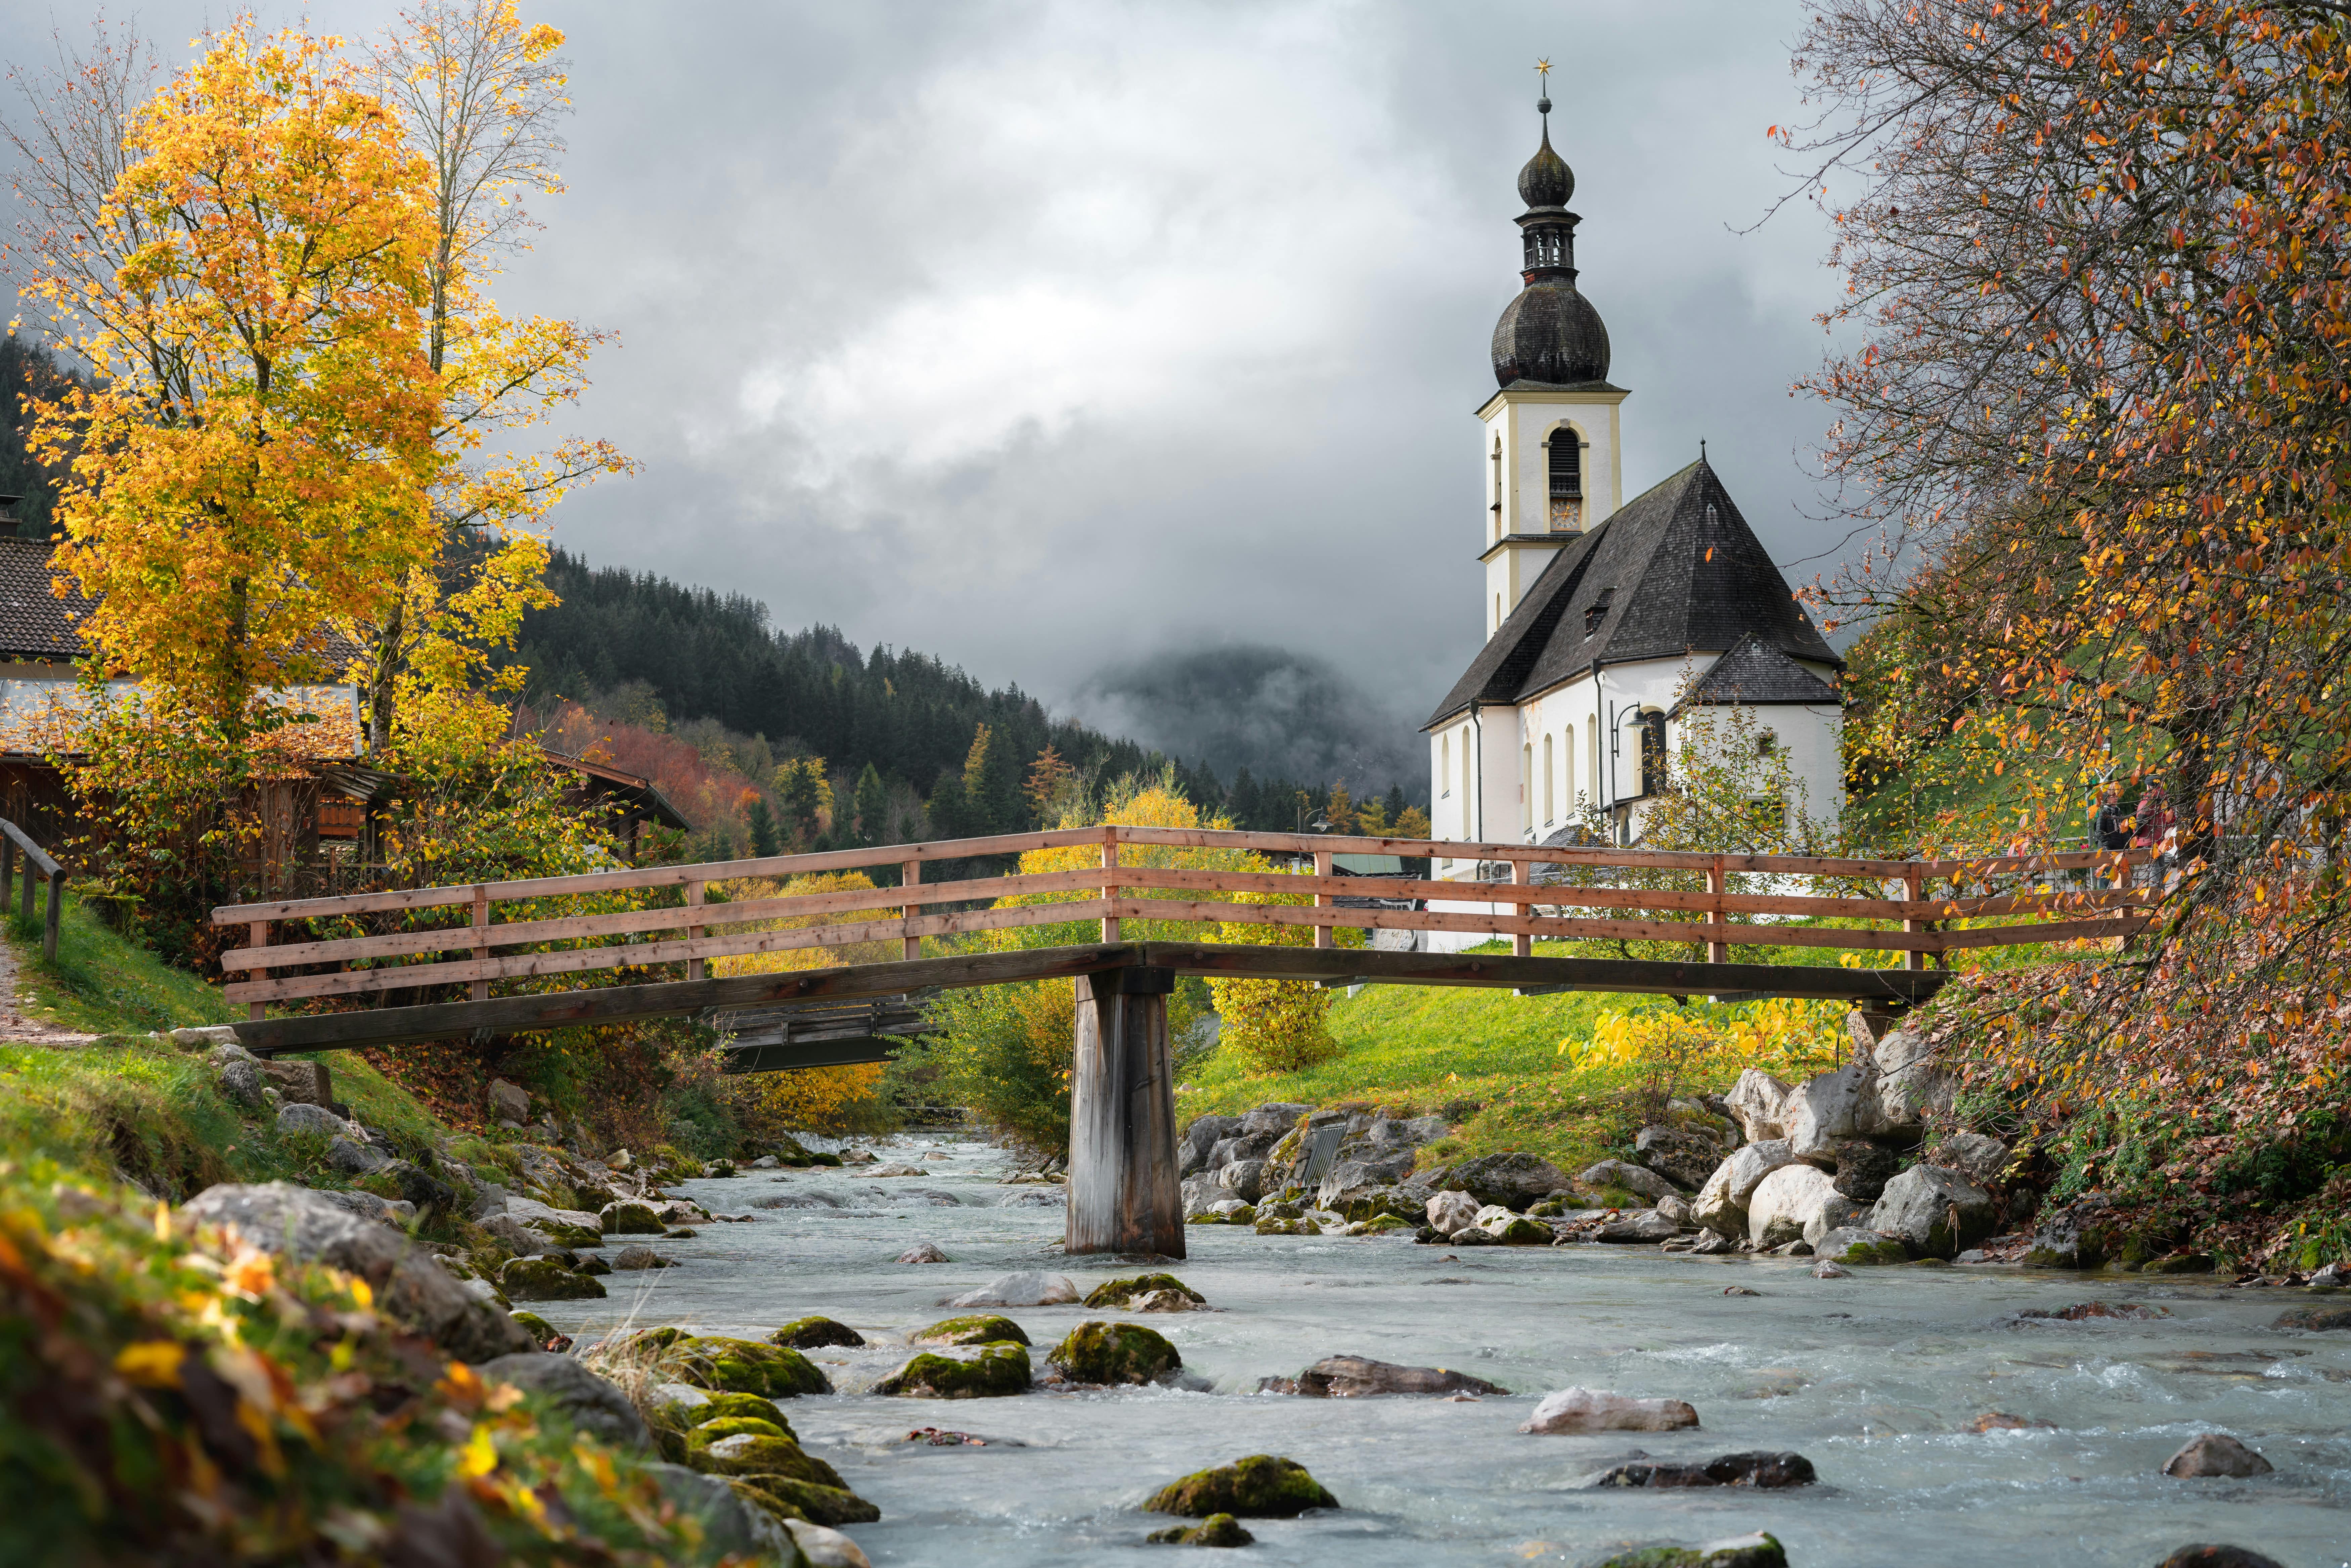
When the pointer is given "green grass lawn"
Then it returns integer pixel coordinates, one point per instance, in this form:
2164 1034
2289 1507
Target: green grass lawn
1487 1059
103 983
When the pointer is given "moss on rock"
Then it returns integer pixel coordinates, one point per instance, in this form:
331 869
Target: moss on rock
1216 1530
1262 1486
787 1498
1757 1550
1520 1231
1113 1294
998 1370
755 1454
730 1406
975 1328
745 1366
631 1219
810 1334
702 1434
1114 1353
542 1280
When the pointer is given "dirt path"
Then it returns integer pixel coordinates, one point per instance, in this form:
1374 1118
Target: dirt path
15 1025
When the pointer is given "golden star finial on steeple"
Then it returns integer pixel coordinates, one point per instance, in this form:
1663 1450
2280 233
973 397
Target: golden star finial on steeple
1543 68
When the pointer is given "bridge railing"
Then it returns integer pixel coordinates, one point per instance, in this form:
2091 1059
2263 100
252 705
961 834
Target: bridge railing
528 944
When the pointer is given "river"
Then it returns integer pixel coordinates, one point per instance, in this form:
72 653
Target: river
1875 1379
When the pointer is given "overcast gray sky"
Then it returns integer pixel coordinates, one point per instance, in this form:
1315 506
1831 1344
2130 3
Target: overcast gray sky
1053 337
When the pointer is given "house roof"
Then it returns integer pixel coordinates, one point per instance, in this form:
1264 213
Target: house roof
36 625
637 798
1674 571
39 627
1756 674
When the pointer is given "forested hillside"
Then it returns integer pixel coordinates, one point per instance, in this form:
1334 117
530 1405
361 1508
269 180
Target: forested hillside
639 651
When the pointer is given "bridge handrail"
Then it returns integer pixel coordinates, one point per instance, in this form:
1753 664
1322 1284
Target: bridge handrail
788 866
1514 908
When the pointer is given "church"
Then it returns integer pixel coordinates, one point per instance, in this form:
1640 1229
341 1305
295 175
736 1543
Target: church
1607 622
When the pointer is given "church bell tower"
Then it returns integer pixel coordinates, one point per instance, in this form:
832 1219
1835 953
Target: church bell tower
1549 437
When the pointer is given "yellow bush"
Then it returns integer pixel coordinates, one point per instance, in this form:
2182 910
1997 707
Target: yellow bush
1665 1047
1281 1026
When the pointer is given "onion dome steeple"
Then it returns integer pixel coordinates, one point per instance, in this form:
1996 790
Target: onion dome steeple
1550 335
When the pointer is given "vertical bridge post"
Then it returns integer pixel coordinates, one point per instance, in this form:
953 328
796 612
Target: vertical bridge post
1123 1192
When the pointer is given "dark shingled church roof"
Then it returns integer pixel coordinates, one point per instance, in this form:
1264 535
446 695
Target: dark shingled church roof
1756 674
1674 571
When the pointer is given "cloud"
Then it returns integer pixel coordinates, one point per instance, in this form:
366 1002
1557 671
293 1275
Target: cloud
1044 335
1274 712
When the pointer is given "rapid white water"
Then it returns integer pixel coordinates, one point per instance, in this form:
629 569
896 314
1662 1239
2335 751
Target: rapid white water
1873 1378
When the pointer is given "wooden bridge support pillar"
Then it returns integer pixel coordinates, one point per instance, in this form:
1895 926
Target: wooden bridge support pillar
1123 1188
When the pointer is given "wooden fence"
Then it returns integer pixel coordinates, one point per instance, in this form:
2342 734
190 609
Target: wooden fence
13 840
501 942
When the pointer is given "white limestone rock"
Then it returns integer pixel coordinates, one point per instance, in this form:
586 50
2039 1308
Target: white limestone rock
1835 1212
1914 1085
1597 1410
1934 1212
1451 1211
1784 1202
1721 1203
1024 1289
1756 1104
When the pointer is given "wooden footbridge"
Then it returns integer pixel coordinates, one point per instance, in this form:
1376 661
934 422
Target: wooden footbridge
498 958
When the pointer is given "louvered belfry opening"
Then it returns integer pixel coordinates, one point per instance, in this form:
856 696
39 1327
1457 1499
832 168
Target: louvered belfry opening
1566 481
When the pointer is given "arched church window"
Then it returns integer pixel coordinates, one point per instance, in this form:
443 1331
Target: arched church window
1653 752
1444 764
1550 795
1566 480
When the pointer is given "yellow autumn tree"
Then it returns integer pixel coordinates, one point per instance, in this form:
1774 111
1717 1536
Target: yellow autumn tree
478 93
252 465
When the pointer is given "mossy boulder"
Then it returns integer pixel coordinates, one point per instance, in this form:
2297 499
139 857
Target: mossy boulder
1380 1222
1260 1487
810 1334
1216 1530
1114 1353
786 1498
702 1434
1273 1226
730 1406
545 1332
1113 1294
1284 1209
1757 1550
544 1280
717 1169
558 1234
1520 1231
631 1219
744 1367
756 1454
998 1370
978 1328
834 1160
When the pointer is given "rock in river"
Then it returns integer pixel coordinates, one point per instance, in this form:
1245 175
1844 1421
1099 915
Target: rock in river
997 1371
1784 1201
1452 1210
1721 1203
544 1279
1356 1377
1640 1225
1757 1550
1028 1290
1216 1530
979 1328
2216 1454
2218 1557
925 1253
1104 1352
810 1334
1112 1295
1595 1410
1934 1212
1260 1487
744 1367
1759 1469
